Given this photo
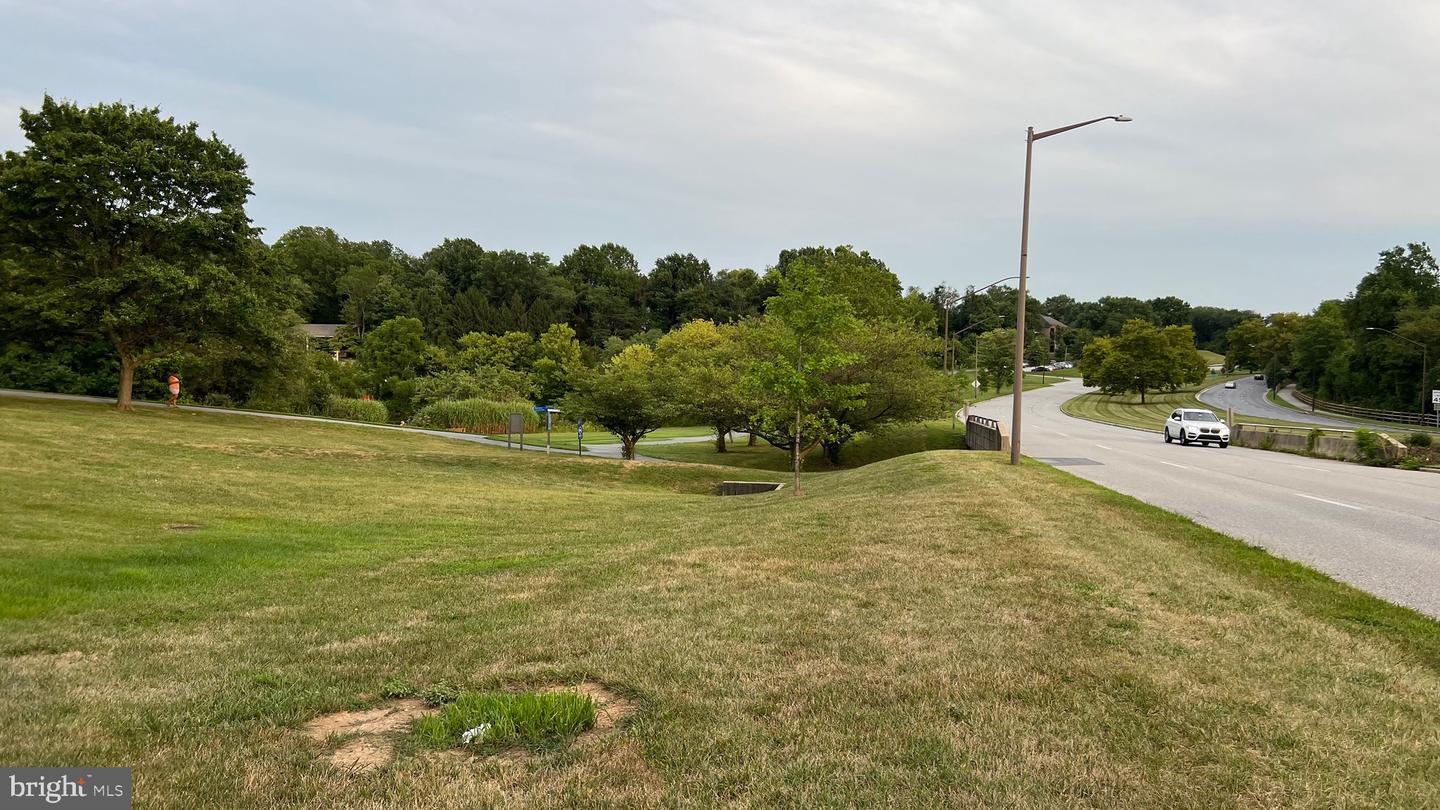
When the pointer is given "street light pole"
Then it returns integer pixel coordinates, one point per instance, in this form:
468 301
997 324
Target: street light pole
1031 136
1424 366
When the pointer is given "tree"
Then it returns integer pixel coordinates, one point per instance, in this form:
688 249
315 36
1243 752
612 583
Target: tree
1246 345
1141 358
1170 311
679 290
1322 337
631 395
872 290
358 289
737 295
609 292
392 352
706 362
799 344
996 357
132 227
557 362
893 368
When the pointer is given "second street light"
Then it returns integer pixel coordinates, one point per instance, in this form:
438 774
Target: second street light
1031 136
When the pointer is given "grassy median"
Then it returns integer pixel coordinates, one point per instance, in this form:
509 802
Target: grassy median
935 629
1126 410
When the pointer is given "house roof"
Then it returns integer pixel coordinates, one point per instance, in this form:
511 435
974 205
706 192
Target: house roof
320 330
1053 323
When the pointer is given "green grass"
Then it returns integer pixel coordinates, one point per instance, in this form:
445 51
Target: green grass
1126 410
930 630
866 449
565 437
1211 358
1397 429
505 719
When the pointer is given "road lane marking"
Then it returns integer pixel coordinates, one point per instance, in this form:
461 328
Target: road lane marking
1332 503
1181 466
1103 447
1058 433
1316 469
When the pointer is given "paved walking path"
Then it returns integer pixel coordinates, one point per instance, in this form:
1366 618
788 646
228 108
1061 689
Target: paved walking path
611 451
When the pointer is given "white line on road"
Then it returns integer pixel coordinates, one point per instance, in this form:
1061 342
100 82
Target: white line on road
1103 447
1332 503
1172 464
1316 469
1058 433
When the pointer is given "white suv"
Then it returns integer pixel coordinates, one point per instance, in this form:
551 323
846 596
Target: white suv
1194 425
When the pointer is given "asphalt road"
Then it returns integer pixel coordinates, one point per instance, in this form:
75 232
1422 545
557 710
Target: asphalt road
1377 529
1248 397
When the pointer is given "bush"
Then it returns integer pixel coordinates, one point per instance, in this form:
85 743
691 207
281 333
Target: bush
490 382
1411 463
1368 449
475 415
356 410
1419 440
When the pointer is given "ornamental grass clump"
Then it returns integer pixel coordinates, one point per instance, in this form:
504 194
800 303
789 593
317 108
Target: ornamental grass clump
475 415
496 720
356 410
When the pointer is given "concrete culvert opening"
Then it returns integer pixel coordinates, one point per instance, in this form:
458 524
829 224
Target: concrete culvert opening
748 487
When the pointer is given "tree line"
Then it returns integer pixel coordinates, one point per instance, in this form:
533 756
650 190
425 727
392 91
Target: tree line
1368 349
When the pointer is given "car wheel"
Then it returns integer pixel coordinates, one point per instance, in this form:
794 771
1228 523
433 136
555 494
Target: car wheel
1183 440
1166 431
1224 445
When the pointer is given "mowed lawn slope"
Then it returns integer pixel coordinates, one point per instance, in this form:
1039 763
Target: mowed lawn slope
918 632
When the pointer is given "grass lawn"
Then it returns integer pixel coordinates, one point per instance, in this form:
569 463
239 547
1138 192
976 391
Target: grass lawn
1211 358
917 632
594 434
1126 410
934 435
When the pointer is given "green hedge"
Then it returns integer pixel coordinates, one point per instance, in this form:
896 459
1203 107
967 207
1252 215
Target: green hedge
475 415
356 410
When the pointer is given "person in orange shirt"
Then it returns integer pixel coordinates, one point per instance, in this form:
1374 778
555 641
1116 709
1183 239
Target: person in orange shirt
174 391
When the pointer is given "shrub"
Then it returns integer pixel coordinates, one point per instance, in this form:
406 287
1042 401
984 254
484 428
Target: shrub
1419 440
502 719
1411 463
1312 439
1368 450
356 410
475 415
489 382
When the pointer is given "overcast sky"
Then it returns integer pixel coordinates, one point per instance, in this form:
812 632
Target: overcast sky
1276 147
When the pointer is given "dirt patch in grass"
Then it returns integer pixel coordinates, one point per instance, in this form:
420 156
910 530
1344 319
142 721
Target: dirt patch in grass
372 732
369 736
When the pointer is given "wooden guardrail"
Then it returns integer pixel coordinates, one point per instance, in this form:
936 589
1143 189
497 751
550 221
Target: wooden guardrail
1401 417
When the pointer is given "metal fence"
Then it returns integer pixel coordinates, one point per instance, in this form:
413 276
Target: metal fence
1401 417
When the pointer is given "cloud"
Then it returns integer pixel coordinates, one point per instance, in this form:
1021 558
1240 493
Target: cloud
1276 148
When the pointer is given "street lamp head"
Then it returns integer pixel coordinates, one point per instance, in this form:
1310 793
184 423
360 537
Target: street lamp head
1123 118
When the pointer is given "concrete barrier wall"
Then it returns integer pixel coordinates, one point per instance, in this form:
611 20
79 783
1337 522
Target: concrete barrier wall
1336 444
986 434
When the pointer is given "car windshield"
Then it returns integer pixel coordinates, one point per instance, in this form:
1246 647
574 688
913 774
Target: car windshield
1200 416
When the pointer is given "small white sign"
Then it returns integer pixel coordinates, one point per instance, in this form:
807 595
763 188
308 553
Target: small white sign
1435 397
976 385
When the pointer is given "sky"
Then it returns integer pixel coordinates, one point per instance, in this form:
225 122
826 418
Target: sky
1276 147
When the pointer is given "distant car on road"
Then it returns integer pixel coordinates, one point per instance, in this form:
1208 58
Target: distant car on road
1230 384
1195 425
1259 376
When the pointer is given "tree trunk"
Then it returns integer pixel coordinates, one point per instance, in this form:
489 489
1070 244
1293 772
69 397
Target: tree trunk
720 432
751 442
127 382
795 453
1142 395
627 447
832 453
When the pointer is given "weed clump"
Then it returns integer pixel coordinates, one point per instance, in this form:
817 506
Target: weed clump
496 720
1419 440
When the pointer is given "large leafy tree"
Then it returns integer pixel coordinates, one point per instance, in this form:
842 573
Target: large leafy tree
132 227
680 290
798 349
1246 345
609 292
995 354
900 385
707 363
1142 358
393 352
631 395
